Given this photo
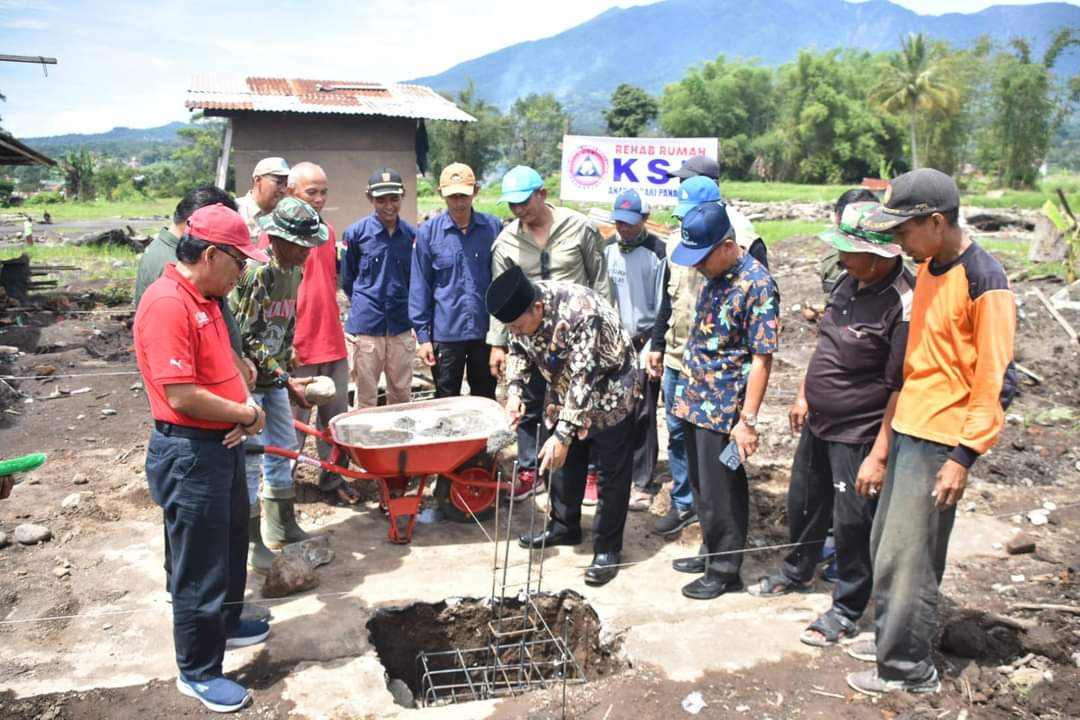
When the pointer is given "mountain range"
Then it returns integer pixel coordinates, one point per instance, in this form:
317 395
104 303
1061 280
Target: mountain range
653 45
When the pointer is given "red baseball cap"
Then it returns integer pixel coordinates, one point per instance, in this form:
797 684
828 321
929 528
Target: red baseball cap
218 225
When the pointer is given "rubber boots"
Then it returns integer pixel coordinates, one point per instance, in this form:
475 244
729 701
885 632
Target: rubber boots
279 526
259 556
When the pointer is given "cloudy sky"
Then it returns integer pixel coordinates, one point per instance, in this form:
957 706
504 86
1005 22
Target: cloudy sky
128 62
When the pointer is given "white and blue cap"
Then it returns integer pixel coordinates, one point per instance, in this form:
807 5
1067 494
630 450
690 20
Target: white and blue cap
695 191
630 208
703 228
520 183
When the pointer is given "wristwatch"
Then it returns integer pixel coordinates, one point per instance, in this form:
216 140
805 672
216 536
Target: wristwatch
750 421
281 380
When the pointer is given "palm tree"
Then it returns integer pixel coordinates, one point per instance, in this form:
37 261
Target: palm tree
915 79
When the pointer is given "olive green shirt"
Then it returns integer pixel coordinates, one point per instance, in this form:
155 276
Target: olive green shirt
575 249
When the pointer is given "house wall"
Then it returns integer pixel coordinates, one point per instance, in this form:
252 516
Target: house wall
348 147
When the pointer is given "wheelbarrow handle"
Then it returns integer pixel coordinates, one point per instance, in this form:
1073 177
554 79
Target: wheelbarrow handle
256 449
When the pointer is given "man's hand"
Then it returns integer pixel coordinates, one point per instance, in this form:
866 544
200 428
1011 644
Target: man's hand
497 361
655 365
296 386
426 352
797 415
870 477
746 438
515 410
235 437
951 481
553 455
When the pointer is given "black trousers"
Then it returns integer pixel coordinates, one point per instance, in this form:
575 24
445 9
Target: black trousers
822 492
531 426
614 460
722 500
201 487
467 358
644 440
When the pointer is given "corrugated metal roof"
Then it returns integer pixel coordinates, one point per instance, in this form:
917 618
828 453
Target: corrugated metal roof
13 152
342 97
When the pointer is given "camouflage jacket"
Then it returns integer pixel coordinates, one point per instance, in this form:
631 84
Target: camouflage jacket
264 302
585 354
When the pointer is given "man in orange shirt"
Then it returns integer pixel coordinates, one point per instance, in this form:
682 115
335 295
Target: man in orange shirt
960 346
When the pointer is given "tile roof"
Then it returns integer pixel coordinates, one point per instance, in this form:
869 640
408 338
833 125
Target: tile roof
13 152
341 97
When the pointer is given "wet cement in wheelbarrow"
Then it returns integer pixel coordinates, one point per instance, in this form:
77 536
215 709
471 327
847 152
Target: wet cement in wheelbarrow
400 633
420 427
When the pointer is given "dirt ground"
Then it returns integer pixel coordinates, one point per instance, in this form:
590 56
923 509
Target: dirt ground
85 624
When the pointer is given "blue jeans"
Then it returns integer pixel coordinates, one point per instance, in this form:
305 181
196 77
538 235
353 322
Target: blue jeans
909 542
199 484
681 495
276 471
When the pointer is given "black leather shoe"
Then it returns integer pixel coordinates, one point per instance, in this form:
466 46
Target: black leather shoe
708 587
549 538
605 566
694 565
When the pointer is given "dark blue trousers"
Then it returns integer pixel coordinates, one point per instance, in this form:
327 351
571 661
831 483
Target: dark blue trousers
200 486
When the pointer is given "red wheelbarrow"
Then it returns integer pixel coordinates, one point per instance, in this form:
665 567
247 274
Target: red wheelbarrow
400 446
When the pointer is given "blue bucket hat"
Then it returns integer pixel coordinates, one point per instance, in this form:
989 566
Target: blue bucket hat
629 208
702 229
695 191
519 184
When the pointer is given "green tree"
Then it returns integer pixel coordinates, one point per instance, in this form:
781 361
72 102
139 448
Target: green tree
196 160
825 131
915 79
631 110
734 102
477 144
534 132
78 167
1028 108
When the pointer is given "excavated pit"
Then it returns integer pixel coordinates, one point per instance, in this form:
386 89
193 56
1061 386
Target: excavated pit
418 645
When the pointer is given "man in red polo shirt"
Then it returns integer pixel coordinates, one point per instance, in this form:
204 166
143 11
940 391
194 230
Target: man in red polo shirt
319 342
195 459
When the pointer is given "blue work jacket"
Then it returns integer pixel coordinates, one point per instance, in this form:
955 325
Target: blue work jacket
375 276
451 271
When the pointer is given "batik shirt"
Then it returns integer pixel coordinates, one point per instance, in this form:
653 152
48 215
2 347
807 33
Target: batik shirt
584 353
735 319
264 302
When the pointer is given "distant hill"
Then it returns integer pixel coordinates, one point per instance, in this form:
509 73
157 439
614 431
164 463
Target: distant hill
147 144
653 45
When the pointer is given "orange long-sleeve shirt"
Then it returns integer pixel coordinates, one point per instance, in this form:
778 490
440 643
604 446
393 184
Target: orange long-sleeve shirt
960 344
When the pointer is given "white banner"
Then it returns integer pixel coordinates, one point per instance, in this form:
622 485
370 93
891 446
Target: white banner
596 169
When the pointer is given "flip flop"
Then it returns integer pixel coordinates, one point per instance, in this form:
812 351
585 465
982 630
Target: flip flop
777 585
832 626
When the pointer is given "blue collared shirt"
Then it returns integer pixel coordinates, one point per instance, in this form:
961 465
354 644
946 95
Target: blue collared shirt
375 276
451 272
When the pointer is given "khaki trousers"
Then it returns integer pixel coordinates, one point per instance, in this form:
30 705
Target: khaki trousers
374 355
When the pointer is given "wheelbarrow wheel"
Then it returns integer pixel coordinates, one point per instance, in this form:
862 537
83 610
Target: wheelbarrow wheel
456 500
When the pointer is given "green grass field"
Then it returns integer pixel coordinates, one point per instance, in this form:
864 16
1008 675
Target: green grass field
100 209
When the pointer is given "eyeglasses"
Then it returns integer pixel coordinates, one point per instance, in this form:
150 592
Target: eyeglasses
545 265
276 179
241 262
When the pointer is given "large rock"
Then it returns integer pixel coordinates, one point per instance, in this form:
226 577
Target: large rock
289 574
315 551
29 534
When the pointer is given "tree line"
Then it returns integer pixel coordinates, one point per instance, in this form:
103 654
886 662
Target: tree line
826 117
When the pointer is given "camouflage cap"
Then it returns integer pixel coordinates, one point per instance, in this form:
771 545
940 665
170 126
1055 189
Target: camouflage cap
852 235
296 221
